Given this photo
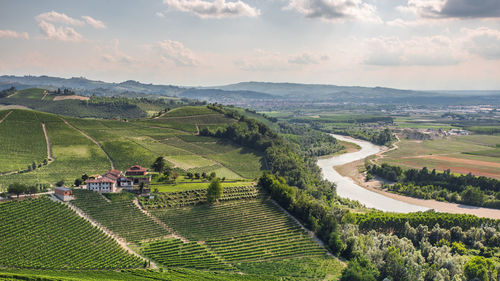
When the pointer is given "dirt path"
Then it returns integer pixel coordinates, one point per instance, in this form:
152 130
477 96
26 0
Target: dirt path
92 140
49 149
45 93
174 234
115 237
197 130
15 93
5 117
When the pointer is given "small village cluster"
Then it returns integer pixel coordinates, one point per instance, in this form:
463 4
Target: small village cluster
111 181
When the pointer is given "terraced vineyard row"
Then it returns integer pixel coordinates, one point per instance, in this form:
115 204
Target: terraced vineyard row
197 196
40 233
120 216
175 253
242 217
243 230
282 243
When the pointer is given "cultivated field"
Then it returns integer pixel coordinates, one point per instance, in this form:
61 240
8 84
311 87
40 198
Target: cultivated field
242 230
40 233
461 154
120 215
127 143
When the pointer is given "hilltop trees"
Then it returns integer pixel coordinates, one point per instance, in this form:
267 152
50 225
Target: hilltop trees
214 191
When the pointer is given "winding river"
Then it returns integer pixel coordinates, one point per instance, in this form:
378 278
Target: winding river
348 189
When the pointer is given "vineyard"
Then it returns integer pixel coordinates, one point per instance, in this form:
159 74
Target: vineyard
120 216
269 244
73 153
304 268
173 274
243 230
392 221
127 143
175 253
21 135
197 196
40 233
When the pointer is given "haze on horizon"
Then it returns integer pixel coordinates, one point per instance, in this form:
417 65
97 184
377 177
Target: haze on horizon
409 44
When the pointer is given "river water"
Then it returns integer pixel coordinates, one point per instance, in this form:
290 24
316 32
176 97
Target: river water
348 189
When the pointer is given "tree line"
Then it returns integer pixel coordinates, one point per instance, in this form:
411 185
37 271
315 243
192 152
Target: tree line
444 186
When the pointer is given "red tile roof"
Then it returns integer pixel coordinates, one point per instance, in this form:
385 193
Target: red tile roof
100 180
137 168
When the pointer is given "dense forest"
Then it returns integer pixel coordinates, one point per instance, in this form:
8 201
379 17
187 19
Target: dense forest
445 186
311 142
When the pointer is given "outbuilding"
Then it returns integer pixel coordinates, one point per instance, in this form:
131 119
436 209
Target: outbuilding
63 193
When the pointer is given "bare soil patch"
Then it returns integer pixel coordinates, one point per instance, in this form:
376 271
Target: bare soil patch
464 170
70 98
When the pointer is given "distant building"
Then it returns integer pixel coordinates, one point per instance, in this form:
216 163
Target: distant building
63 193
138 175
458 132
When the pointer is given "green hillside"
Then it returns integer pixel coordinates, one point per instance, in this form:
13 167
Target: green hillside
83 146
71 104
40 233
134 226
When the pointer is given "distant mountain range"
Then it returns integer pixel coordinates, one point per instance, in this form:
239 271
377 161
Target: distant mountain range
253 91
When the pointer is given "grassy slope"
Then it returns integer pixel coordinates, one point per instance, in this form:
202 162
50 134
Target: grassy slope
127 143
73 154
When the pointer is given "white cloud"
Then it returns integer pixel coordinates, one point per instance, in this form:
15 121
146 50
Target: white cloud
13 34
160 14
409 23
262 60
484 42
216 9
336 10
176 52
67 34
434 50
308 58
94 23
55 17
113 54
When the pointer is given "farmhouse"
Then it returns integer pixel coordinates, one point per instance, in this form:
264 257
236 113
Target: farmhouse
114 179
63 193
102 184
138 175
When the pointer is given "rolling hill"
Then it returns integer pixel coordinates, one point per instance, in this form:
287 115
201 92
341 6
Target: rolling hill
93 146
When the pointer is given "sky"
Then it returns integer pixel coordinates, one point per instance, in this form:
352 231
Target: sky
407 44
